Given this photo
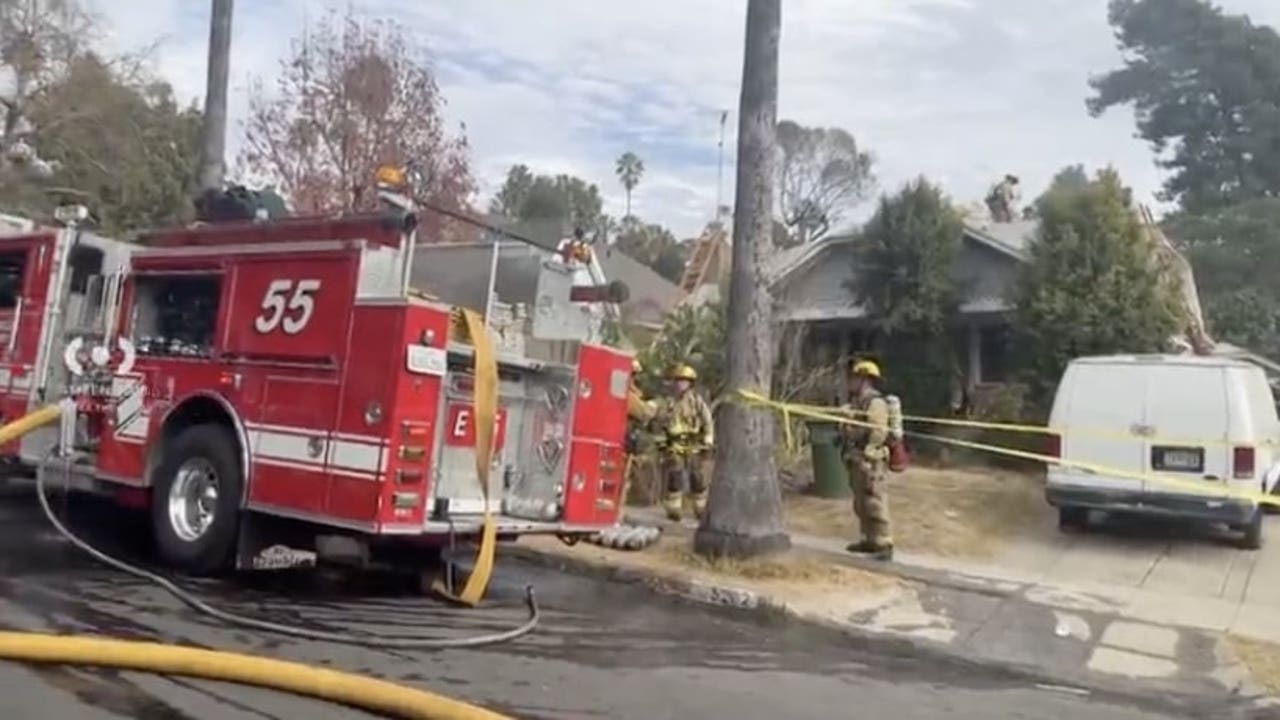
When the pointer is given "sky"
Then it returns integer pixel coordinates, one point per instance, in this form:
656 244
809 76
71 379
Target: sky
960 91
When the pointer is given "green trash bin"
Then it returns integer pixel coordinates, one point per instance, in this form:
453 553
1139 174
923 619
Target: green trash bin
830 478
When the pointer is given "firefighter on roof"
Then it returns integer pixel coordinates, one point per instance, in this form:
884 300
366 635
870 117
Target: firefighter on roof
685 435
866 453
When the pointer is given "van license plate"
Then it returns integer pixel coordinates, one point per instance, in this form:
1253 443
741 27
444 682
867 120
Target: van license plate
1177 459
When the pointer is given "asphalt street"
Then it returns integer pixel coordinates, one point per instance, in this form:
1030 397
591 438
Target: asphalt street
602 650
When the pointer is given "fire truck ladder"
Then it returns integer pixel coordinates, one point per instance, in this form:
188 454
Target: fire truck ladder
707 252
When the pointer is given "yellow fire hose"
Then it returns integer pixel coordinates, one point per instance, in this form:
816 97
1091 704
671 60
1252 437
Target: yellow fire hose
485 401
366 693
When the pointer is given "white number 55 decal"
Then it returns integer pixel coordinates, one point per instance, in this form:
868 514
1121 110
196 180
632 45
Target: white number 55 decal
295 312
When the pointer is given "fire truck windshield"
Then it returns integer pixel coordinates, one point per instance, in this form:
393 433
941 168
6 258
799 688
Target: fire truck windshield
175 315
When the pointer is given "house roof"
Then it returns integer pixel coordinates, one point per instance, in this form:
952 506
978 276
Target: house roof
1011 239
650 294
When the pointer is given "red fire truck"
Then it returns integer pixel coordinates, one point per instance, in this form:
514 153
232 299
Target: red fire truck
278 382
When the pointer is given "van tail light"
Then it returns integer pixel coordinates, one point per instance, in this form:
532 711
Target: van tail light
1242 463
1053 446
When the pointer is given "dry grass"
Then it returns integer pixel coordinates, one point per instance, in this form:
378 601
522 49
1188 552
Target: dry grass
1262 659
672 556
944 512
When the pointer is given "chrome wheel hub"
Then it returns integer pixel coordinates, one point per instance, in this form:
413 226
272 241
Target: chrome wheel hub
193 499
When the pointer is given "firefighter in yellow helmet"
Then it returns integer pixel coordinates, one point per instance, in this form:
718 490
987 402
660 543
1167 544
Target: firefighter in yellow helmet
640 412
866 454
685 435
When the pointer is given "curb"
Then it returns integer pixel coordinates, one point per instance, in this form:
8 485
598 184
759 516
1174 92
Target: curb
928 576
723 596
762 607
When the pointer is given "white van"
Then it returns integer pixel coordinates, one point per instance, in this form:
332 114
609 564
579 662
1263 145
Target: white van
1205 420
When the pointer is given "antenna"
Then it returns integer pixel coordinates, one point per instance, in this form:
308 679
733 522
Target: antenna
724 116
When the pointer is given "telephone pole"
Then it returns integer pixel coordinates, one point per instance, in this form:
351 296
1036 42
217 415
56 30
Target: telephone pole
213 132
744 511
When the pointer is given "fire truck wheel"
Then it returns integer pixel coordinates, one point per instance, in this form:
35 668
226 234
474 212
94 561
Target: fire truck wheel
195 501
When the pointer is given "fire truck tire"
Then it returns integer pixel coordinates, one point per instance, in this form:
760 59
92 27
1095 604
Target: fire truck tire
195 499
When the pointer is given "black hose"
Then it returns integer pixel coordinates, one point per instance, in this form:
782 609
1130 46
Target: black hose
374 641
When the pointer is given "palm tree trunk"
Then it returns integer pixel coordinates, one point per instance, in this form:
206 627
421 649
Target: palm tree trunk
744 514
213 132
628 202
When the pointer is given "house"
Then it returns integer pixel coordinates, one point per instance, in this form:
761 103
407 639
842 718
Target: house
814 286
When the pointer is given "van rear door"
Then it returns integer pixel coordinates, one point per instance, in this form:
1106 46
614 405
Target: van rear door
1187 425
1254 425
1095 413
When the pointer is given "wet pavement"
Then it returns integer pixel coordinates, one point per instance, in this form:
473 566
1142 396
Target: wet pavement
602 650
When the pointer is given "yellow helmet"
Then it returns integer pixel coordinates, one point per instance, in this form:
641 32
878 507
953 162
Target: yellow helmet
683 372
866 368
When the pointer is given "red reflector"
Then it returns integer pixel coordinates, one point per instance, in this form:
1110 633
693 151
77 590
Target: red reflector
1242 462
1053 445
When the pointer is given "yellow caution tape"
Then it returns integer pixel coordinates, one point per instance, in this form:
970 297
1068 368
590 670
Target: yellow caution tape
842 417
1093 433
485 412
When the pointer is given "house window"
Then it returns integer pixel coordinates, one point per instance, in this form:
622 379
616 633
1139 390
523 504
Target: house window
995 348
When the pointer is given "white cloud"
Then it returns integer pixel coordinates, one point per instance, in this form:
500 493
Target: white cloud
959 90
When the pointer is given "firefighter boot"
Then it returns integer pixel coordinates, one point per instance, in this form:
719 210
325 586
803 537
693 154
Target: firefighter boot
673 503
700 504
862 547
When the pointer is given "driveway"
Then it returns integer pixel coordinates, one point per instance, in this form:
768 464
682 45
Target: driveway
1158 571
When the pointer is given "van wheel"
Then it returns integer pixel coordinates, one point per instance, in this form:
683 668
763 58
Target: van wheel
195 500
1252 532
1273 507
1073 519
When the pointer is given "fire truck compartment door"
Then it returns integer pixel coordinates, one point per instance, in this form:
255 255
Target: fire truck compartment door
455 476
596 462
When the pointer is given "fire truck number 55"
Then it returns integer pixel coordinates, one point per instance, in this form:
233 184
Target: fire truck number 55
288 305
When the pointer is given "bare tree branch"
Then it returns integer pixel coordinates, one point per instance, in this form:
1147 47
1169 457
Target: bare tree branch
823 173
354 95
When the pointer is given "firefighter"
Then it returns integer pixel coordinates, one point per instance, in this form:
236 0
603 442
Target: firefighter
1002 198
866 454
685 435
640 412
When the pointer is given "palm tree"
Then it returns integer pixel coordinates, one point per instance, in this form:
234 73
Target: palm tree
630 169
